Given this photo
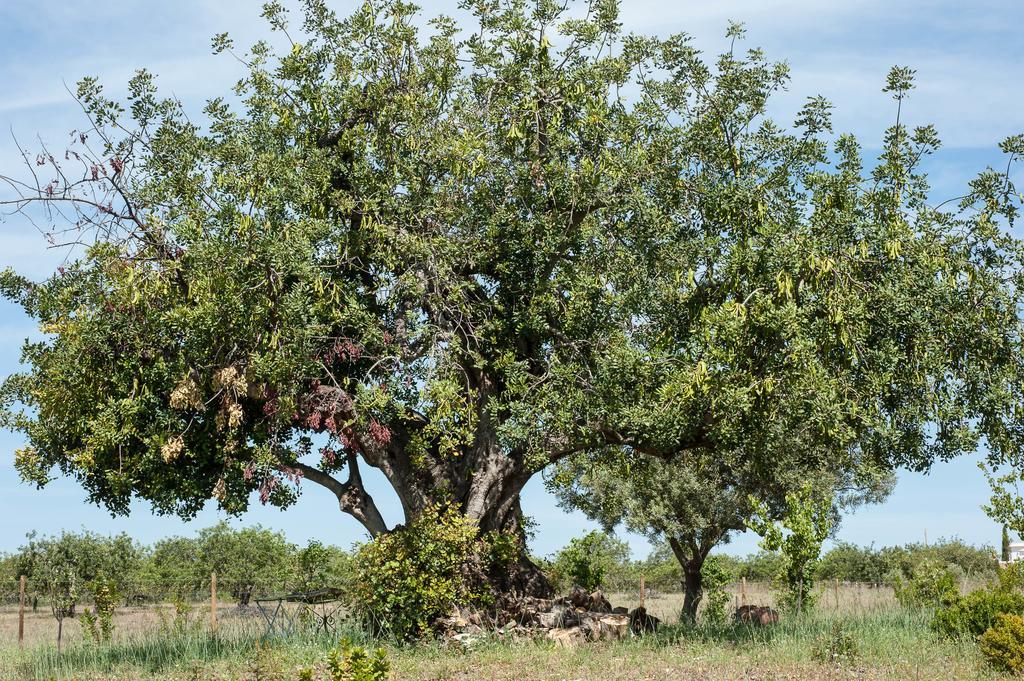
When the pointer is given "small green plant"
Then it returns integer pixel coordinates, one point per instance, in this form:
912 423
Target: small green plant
836 646
181 623
87 620
264 665
714 579
1003 644
929 585
354 663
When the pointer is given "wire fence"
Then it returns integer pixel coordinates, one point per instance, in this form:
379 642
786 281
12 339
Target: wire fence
189 606
229 607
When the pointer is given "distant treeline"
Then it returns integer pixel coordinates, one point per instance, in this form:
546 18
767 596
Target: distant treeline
845 562
249 562
257 561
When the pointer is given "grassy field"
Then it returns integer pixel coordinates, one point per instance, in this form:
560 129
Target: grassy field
151 643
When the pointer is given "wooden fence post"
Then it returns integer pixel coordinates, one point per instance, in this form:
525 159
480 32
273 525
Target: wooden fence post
21 611
642 591
743 591
835 587
213 602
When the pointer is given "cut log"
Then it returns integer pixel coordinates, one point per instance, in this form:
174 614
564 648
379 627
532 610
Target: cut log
598 603
579 598
566 638
614 627
758 615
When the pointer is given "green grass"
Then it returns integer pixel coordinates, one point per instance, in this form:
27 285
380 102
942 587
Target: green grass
893 643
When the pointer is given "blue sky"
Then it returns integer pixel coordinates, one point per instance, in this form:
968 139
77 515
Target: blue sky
968 57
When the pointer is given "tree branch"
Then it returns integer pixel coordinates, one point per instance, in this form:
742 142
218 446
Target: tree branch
352 496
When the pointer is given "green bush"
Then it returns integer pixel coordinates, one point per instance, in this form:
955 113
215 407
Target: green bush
850 563
87 621
714 578
760 567
405 581
586 561
1003 644
835 647
930 585
354 663
974 613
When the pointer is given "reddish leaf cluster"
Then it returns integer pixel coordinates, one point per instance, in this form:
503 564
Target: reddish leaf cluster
380 432
343 349
294 475
328 456
267 487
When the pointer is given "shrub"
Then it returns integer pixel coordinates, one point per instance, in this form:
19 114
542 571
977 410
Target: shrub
87 621
1003 644
851 563
408 579
321 566
763 566
104 597
835 647
714 578
354 663
972 614
930 585
99 625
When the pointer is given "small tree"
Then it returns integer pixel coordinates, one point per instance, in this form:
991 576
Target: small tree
798 538
173 569
693 504
1006 545
714 578
117 559
61 586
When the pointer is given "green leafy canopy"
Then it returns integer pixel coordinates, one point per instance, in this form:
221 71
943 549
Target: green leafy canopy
462 253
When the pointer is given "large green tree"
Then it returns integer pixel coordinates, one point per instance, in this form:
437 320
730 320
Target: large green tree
459 256
901 407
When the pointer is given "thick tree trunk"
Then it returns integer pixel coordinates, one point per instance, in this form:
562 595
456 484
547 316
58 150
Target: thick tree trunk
691 558
490 496
693 590
484 481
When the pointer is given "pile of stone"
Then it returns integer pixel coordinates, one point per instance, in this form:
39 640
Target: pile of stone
568 621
